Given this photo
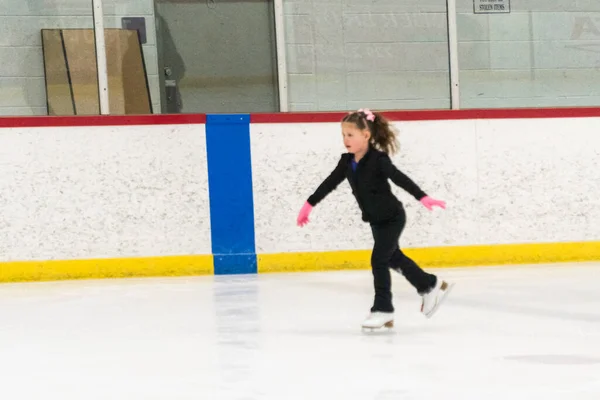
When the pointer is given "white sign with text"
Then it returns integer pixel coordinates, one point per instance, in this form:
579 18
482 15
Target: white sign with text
491 6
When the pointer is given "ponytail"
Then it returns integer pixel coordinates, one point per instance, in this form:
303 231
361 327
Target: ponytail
383 134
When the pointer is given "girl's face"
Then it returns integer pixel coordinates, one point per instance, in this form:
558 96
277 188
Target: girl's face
355 140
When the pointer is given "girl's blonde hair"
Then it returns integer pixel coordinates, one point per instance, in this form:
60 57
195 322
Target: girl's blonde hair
383 134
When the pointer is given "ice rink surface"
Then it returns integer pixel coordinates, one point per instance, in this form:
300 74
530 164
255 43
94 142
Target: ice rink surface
528 332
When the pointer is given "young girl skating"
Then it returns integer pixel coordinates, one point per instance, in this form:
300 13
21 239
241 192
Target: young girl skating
370 139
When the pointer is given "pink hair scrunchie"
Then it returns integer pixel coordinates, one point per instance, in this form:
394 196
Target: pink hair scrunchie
368 113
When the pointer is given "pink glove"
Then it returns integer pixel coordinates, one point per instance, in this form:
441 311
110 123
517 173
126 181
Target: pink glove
303 215
429 203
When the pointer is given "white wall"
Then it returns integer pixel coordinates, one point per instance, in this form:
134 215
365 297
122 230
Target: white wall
542 54
390 54
347 54
505 181
95 192
22 87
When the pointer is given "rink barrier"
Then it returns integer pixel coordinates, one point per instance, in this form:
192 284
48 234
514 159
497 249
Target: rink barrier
231 209
436 257
230 194
198 265
129 267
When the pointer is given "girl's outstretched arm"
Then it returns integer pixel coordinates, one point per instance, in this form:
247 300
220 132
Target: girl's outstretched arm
400 179
327 186
330 183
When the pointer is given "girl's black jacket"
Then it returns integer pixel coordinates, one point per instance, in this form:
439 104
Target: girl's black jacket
370 185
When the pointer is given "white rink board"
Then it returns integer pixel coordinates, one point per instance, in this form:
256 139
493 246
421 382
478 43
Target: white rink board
505 181
539 180
95 192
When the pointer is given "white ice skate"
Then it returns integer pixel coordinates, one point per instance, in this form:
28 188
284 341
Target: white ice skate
378 320
433 299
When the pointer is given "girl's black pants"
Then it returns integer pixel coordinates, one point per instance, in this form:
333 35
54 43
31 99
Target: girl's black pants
387 254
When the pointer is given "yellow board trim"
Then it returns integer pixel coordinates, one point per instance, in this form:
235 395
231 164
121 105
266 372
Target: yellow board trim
22 271
451 256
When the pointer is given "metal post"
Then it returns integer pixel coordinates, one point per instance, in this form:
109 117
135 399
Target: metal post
98 16
282 81
453 53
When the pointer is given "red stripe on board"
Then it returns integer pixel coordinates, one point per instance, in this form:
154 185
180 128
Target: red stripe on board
102 120
297 117
432 115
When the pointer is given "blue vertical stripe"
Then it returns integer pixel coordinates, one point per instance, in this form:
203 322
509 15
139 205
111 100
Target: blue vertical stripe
230 193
